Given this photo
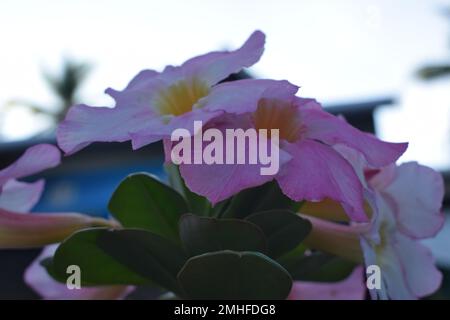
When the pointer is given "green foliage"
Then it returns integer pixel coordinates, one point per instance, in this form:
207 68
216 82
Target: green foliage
201 235
247 247
234 275
283 229
142 201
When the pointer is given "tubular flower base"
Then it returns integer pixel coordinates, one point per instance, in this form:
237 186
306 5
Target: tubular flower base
36 230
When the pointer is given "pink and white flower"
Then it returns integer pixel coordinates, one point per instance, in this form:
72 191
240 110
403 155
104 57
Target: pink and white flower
154 104
405 204
311 169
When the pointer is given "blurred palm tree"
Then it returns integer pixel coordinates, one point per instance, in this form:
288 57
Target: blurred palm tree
65 86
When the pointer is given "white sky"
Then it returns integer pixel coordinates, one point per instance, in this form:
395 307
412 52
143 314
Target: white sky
335 50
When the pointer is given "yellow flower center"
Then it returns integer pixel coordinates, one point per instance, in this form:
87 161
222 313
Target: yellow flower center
180 97
277 114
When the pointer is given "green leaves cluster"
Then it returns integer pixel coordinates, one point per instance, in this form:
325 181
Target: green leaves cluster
242 248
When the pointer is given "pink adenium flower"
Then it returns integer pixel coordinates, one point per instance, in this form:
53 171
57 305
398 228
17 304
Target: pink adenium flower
21 230
310 168
406 207
409 199
351 288
39 280
154 104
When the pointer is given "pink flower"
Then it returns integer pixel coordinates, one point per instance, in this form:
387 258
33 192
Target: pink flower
310 168
21 230
405 201
39 280
352 288
154 104
408 199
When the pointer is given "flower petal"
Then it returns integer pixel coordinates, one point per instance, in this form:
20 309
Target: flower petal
84 125
38 279
216 66
417 193
142 78
18 230
316 172
155 132
419 270
242 96
35 159
220 181
20 196
352 288
333 130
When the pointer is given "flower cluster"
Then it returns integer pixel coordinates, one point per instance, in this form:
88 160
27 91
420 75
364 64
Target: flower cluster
338 197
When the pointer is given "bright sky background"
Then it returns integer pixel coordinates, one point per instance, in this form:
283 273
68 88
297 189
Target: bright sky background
335 50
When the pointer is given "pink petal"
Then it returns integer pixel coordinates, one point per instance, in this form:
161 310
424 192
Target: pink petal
216 66
38 279
316 172
417 193
332 130
142 78
220 181
243 96
356 159
20 196
84 125
419 270
155 132
34 160
18 230
352 288
394 285
370 259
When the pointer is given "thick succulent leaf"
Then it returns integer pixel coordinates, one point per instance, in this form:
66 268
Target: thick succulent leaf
142 201
202 234
263 198
196 204
147 254
234 275
97 267
283 229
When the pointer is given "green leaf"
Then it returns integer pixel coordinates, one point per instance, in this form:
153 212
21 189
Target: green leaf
142 201
263 198
196 204
201 234
97 267
234 275
146 253
319 267
47 263
284 230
